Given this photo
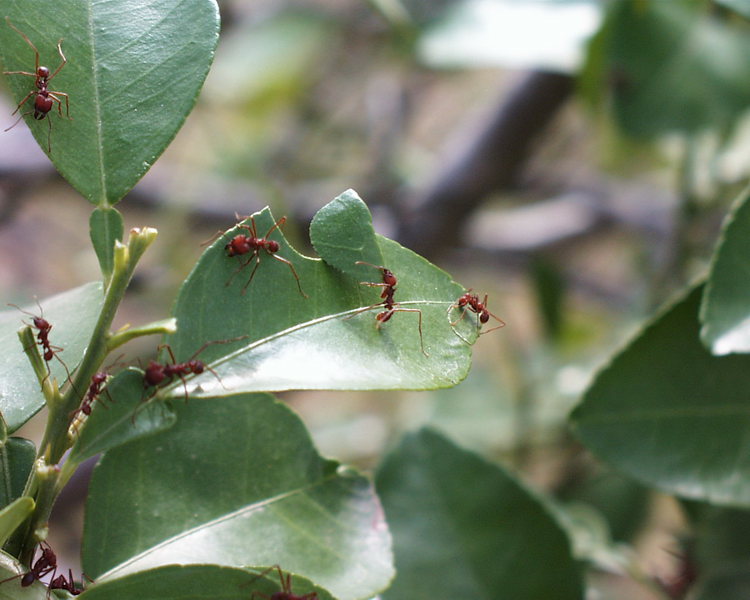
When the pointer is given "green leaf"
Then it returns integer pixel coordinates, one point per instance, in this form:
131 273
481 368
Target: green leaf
327 341
235 482
725 312
72 315
13 515
342 234
118 417
741 7
464 528
17 457
672 415
675 68
105 227
209 582
134 71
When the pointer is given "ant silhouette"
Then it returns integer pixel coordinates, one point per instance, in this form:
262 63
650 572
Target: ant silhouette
92 394
45 564
286 587
249 243
43 328
388 284
44 98
469 302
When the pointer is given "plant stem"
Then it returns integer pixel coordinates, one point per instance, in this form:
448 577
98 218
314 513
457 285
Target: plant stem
56 439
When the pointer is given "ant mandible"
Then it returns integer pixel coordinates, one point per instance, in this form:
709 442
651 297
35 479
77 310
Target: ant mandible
391 306
286 588
45 564
471 302
44 98
43 328
250 243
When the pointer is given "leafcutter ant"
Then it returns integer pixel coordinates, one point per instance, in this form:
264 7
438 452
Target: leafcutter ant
391 306
469 302
44 98
43 328
66 583
249 243
44 565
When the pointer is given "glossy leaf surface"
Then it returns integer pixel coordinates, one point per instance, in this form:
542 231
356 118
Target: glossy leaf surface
672 415
197 582
236 482
72 315
133 74
13 515
726 303
329 340
464 528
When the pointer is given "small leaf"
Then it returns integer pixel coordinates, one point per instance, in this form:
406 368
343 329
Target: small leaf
197 582
134 71
235 482
13 515
725 312
17 457
329 340
670 414
118 417
342 234
72 315
464 528
105 227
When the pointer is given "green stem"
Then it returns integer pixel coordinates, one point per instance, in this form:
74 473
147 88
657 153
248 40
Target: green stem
56 439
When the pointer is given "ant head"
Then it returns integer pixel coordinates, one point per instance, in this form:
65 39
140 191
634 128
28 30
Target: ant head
484 317
196 366
42 72
272 245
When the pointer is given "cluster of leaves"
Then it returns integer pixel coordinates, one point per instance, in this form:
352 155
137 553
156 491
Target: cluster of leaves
196 498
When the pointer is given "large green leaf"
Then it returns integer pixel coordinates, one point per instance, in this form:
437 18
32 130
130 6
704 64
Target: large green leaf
670 414
197 582
725 312
328 340
464 528
73 315
12 590
236 482
133 74
13 515
674 68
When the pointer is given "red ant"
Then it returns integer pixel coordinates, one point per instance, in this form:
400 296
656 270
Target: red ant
286 588
157 373
471 302
44 99
95 389
250 243
391 306
43 328
45 564
68 584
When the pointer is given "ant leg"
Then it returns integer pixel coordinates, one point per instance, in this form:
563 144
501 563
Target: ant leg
419 312
276 225
20 104
62 64
242 266
20 73
49 136
252 274
28 41
294 272
161 347
54 96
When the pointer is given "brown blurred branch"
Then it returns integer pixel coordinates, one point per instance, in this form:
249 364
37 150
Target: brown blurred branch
492 161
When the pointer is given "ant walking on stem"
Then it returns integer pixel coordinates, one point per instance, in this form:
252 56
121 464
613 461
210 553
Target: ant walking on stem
250 243
286 588
469 302
45 564
391 306
43 328
92 394
44 98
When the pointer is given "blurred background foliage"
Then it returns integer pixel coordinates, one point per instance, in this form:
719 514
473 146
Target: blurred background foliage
573 159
